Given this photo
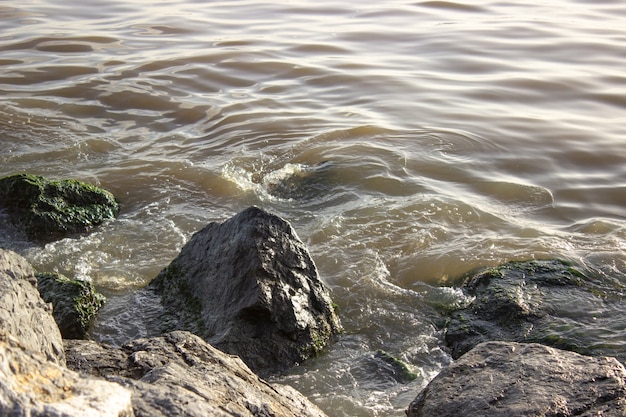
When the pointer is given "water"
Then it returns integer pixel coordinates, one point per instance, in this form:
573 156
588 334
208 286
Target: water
406 141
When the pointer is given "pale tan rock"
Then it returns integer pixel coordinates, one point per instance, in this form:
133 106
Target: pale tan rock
179 374
23 314
31 385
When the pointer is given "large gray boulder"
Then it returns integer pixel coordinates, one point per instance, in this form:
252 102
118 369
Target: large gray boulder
50 209
249 287
23 314
179 374
514 380
548 302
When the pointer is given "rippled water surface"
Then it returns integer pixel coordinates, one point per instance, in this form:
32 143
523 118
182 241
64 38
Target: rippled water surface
408 142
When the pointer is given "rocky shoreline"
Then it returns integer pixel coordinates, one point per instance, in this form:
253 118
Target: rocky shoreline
243 301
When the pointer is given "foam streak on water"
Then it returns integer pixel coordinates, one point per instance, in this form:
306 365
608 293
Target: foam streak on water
408 142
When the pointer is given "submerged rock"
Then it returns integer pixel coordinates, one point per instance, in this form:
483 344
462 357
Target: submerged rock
50 209
23 314
515 380
249 287
74 303
300 182
392 367
548 302
179 374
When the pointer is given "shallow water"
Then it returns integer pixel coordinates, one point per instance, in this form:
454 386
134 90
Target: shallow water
450 136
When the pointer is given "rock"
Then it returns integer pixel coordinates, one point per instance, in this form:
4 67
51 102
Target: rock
33 379
23 314
548 302
512 379
74 303
392 367
31 385
249 287
180 374
300 181
50 209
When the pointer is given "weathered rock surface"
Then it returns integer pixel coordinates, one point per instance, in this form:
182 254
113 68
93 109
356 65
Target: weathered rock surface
74 303
548 302
512 379
31 385
33 379
249 287
23 314
50 209
180 374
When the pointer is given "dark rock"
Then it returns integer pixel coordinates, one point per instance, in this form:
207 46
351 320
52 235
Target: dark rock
74 303
23 314
301 182
31 385
50 209
249 287
548 302
514 380
180 374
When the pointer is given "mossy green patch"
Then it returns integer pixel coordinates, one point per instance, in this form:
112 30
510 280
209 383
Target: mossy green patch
75 302
176 291
48 209
401 370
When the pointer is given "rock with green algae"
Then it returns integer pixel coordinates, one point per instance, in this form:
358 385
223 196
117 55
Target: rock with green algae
551 302
75 302
51 209
394 367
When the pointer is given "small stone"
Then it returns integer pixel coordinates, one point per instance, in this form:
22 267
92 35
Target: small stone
74 303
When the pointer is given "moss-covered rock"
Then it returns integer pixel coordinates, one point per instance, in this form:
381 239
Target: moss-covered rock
396 368
75 303
548 301
50 209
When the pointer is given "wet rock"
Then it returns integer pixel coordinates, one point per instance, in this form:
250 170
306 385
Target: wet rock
249 287
301 182
52 209
180 374
548 302
512 379
74 303
31 385
23 314
392 367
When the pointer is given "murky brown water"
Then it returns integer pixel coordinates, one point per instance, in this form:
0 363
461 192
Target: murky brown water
452 136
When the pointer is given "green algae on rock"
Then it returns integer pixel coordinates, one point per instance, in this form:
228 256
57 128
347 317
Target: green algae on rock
51 209
551 302
397 368
75 302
